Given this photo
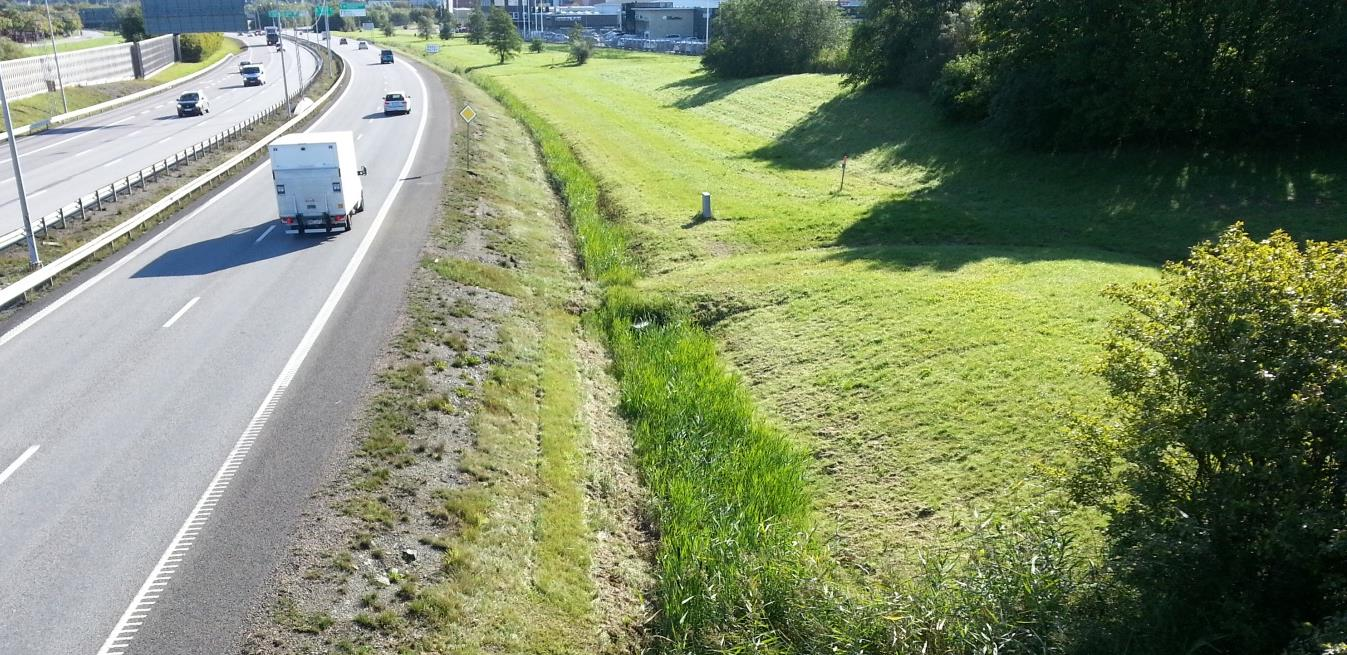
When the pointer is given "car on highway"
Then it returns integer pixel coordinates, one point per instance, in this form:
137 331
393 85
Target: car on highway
193 103
386 56
362 46
397 103
342 41
253 75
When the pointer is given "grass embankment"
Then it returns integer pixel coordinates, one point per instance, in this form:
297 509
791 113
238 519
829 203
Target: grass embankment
36 49
926 330
45 105
532 530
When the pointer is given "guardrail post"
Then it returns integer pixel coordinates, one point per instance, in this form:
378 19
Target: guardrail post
114 191
141 174
98 198
80 202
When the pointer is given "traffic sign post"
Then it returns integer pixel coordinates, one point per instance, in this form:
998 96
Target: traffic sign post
468 114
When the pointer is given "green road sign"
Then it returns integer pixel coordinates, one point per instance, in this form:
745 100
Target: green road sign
286 13
323 11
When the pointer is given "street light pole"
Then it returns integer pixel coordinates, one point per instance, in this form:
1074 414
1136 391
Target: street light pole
285 77
51 31
34 261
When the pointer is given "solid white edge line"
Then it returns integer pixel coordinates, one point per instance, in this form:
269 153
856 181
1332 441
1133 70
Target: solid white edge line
77 291
182 311
264 234
155 583
9 470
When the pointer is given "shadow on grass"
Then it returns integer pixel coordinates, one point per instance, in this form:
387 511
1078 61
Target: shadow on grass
707 88
1147 206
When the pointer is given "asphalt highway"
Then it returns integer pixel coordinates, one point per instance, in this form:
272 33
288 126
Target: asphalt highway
75 158
167 414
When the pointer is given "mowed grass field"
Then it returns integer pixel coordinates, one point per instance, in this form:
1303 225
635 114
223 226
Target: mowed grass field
929 329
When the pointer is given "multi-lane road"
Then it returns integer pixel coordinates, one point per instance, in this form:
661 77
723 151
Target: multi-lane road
164 417
75 158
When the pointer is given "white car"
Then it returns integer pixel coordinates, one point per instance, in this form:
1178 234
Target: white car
362 46
397 103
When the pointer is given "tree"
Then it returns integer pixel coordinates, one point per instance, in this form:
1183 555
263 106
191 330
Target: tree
446 31
476 26
502 38
1221 466
771 37
424 27
580 46
132 23
388 29
536 45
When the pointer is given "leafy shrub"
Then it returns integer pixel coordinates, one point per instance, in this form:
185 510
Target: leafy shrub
580 46
536 45
446 30
1221 464
199 47
964 87
770 37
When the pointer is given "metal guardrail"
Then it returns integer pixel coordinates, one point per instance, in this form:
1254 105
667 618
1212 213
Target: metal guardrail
20 289
117 189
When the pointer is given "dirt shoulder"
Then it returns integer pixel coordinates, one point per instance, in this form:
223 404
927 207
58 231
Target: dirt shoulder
488 502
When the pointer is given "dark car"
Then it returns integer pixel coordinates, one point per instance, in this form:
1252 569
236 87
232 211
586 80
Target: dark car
386 57
193 103
342 41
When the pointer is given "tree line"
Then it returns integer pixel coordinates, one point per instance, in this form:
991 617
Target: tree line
1077 73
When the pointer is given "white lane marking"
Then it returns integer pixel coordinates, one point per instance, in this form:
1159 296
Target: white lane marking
135 133
119 639
264 234
360 136
159 106
182 311
9 470
113 162
37 193
75 293
167 138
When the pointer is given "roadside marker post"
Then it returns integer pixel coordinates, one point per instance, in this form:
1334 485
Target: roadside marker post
468 114
844 174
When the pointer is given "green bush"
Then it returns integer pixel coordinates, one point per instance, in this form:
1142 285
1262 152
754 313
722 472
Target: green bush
199 47
536 45
771 37
1083 74
963 88
1220 464
580 46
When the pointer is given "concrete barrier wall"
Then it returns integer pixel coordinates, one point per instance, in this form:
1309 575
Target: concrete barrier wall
156 54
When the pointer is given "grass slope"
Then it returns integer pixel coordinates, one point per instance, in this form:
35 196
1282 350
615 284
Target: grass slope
44 47
928 328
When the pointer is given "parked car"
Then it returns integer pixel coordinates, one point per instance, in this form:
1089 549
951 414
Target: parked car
397 103
193 103
362 46
386 56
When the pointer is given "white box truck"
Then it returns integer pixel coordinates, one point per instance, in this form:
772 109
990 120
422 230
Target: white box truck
317 180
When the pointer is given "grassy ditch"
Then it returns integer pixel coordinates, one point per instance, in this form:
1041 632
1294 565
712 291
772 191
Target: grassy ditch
925 331
482 449
36 49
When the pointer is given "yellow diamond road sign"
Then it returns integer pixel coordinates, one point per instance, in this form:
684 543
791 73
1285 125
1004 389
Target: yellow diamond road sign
468 113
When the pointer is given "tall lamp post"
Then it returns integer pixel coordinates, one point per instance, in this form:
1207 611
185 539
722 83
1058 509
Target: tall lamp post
51 31
34 261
